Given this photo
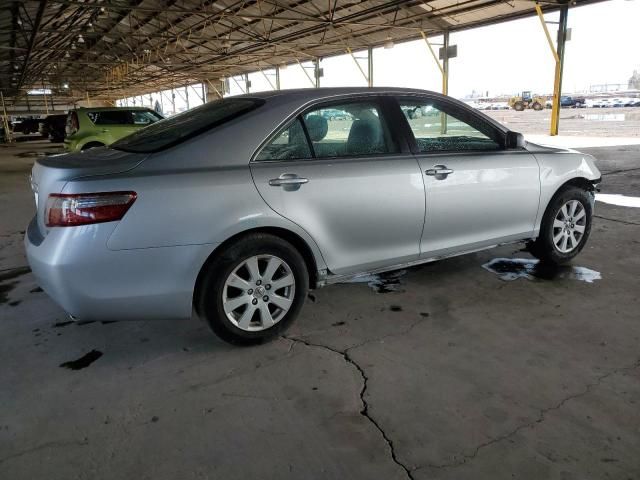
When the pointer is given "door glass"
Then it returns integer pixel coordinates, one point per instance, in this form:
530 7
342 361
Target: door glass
348 129
289 144
111 117
145 117
437 131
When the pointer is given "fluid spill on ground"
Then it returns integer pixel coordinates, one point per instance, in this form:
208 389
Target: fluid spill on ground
5 285
383 282
620 200
513 268
82 362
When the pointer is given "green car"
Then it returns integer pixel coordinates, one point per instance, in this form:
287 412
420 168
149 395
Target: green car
96 127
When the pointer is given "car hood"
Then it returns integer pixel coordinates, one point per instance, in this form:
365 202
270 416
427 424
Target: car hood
538 148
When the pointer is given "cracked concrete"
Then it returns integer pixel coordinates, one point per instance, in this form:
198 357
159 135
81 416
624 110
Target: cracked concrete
540 419
459 375
365 405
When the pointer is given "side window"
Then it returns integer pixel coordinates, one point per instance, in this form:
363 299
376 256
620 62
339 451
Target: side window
348 129
290 144
111 117
438 131
144 117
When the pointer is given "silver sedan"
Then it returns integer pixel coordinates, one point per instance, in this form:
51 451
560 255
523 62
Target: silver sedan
238 207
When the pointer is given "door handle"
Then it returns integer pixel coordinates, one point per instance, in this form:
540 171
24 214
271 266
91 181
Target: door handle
439 171
287 179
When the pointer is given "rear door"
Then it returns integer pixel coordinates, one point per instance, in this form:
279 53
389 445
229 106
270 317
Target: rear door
348 181
477 192
112 125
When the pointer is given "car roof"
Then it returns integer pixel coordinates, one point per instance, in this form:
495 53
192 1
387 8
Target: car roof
108 109
318 93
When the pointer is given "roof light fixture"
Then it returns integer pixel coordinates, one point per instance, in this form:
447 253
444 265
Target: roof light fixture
388 44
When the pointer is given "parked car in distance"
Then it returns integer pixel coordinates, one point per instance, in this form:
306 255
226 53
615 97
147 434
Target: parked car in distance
237 207
96 127
53 127
569 101
25 125
333 114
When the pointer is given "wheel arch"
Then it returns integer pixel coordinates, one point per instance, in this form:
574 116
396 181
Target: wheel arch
580 182
83 145
296 240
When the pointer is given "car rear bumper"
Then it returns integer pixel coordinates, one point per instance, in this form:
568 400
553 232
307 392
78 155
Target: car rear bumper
76 269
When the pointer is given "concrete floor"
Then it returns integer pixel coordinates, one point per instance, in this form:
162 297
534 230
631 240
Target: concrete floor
456 375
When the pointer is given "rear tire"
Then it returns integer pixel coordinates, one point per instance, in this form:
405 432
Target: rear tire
565 227
518 106
253 290
537 106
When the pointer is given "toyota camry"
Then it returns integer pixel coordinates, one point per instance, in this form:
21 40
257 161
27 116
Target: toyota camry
236 208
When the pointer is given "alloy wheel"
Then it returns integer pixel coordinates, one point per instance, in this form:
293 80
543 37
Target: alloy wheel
258 293
569 226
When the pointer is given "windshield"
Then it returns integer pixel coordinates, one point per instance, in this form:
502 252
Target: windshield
171 131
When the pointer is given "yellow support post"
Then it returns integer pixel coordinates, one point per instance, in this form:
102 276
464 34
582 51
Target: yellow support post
44 97
8 137
557 76
444 73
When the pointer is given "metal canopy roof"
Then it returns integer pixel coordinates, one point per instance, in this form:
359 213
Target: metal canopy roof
117 48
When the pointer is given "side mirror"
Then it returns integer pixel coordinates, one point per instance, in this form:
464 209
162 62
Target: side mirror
515 140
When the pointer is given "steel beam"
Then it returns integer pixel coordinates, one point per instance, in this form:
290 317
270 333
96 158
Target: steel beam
34 34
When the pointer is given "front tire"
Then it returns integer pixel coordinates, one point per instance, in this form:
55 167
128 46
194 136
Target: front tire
253 290
565 227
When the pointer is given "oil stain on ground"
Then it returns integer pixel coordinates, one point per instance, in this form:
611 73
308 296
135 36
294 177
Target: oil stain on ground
6 285
509 269
82 362
383 282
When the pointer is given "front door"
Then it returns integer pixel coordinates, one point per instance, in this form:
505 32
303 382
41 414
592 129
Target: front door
477 193
337 172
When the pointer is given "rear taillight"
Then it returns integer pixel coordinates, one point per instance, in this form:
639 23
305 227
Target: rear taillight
68 210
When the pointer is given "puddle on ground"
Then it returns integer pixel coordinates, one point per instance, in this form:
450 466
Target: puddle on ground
383 282
513 268
604 117
617 199
82 362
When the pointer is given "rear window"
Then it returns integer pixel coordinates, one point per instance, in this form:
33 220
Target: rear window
171 131
123 117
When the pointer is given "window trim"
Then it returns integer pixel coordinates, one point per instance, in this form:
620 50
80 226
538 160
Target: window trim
386 110
450 107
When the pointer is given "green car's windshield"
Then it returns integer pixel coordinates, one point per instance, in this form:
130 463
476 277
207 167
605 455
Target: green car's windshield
171 131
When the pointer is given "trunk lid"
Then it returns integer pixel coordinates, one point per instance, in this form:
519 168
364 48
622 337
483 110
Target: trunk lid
51 174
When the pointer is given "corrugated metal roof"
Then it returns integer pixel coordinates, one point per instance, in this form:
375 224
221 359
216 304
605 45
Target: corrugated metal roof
116 48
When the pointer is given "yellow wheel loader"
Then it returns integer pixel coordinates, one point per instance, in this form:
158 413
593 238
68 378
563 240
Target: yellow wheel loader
526 100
